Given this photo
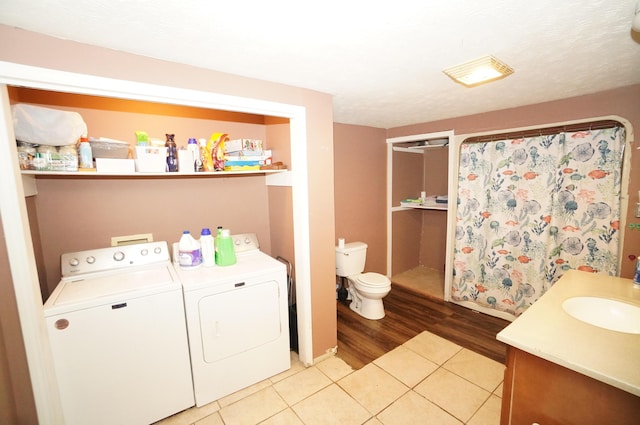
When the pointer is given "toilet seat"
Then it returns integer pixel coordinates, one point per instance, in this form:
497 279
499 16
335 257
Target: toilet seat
373 280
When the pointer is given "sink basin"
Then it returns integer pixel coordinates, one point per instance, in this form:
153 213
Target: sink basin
605 313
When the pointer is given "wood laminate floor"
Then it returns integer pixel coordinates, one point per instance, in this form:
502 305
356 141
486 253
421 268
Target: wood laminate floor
408 313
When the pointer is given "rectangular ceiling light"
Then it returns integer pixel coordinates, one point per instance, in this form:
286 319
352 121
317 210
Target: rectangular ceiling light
479 71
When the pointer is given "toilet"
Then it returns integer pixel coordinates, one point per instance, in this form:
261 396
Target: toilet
366 290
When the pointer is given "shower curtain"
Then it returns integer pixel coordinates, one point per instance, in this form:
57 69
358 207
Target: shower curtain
530 209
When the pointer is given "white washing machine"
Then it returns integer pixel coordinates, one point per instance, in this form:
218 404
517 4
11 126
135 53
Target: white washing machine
237 321
118 336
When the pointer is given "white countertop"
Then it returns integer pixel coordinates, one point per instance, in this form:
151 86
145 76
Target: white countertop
547 331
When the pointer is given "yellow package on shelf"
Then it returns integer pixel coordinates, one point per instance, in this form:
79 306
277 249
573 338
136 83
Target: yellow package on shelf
411 202
241 167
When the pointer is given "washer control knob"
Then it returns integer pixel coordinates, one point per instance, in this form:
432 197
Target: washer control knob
118 256
237 242
247 241
144 252
74 262
157 250
91 259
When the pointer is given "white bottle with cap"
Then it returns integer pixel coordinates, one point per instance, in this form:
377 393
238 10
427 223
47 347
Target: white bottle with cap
189 253
194 150
85 154
208 248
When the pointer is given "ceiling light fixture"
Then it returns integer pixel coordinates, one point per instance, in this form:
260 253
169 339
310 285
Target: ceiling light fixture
479 71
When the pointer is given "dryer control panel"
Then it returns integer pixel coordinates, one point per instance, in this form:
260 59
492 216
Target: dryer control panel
245 242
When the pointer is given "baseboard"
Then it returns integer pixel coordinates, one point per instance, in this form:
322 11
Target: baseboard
328 354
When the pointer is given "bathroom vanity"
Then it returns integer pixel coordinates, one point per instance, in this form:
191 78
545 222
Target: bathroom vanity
561 370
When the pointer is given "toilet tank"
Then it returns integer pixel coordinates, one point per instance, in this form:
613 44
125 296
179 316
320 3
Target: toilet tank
350 259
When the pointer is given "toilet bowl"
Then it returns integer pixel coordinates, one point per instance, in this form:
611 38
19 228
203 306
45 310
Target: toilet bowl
366 290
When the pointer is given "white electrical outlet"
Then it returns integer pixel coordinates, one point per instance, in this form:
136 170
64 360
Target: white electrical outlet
131 239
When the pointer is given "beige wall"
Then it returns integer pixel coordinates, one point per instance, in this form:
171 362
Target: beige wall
360 164
281 219
79 214
39 50
322 223
434 222
408 181
17 405
419 235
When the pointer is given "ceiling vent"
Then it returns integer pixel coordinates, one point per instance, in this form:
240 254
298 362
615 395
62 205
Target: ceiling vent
479 71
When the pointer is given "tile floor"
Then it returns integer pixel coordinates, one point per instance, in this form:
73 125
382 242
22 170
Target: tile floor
427 380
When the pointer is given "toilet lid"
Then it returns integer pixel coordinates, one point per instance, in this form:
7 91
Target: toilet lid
374 279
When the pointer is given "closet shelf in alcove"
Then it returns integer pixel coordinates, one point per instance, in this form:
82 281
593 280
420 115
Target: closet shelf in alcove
417 149
431 203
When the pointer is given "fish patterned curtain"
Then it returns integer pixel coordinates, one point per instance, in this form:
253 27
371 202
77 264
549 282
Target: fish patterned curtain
531 209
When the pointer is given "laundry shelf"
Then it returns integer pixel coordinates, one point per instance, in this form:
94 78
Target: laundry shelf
82 174
272 177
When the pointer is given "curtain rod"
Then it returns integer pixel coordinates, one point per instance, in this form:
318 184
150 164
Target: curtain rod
594 125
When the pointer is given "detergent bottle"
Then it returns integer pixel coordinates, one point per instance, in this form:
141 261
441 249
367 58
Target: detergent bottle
225 251
189 253
208 247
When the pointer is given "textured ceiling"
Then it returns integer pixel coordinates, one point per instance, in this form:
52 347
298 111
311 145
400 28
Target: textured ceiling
382 61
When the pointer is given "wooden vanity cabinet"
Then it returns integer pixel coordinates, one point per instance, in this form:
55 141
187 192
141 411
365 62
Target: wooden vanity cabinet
537 391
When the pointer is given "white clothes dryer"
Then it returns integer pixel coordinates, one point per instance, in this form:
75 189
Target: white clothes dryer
237 321
118 336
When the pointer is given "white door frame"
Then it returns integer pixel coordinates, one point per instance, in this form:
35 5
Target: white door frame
450 135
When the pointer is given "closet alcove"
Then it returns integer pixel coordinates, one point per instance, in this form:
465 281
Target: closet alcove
417 232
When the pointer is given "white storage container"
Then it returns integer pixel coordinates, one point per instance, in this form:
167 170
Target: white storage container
109 148
151 159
